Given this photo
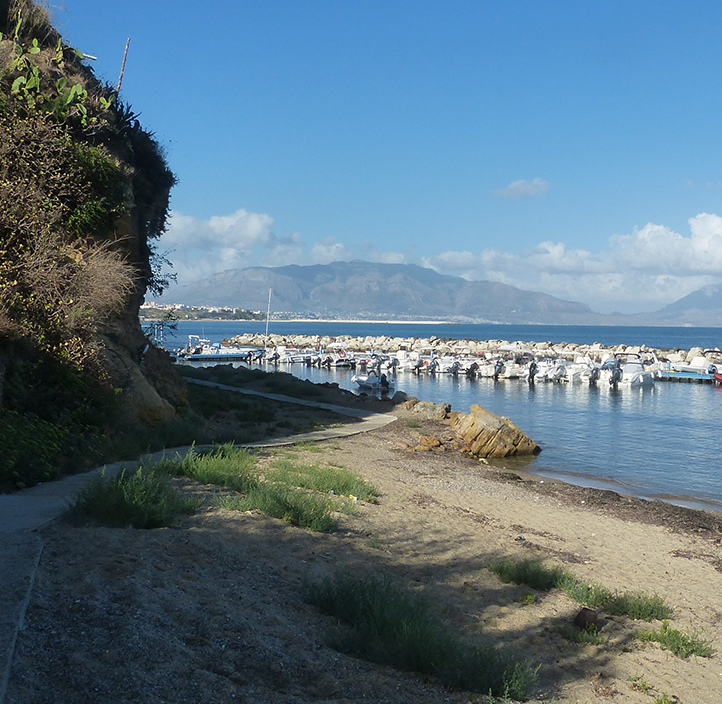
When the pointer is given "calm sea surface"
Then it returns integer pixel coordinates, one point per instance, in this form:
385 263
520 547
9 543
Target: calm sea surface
662 442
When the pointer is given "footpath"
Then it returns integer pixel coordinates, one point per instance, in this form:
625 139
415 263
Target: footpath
23 513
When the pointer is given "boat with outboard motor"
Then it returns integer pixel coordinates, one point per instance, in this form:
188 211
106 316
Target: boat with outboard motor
373 382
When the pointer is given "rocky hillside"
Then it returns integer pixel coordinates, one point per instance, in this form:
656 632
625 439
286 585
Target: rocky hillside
84 198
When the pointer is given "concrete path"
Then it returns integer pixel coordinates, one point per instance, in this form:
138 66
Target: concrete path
23 513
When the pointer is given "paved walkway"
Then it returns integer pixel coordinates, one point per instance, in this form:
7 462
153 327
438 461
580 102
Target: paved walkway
23 513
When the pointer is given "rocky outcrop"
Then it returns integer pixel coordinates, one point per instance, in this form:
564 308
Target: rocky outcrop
489 435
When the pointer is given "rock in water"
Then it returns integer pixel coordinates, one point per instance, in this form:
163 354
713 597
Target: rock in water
489 435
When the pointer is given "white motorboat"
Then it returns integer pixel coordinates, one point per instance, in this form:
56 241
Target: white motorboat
626 370
200 349
373 382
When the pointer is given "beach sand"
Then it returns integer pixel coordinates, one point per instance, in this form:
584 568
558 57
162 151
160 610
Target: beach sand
213 611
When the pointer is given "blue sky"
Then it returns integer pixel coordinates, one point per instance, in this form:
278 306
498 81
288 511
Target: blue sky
572 148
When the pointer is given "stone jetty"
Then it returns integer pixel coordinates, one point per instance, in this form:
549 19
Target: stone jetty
443 345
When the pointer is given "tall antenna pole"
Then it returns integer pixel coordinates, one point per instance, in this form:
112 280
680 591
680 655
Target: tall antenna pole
122 67
268 315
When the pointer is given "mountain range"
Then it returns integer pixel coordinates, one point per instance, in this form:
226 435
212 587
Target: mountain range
366 290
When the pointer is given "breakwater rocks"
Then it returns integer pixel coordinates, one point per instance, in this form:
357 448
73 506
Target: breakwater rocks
441 346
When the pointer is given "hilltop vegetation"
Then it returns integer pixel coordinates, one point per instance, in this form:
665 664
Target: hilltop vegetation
83 198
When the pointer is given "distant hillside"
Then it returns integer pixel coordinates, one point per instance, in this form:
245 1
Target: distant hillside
701 308
367 290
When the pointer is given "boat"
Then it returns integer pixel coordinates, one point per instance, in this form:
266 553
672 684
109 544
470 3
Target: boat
373 382
200 349
627 370
698 369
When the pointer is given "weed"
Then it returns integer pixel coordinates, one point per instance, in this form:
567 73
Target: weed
681 644
582 636
634 605
529 572
144 499
527 599
587 594
639 685
228 466
639 606
296 507
395 626
375 544
413 423
665 699
308 446
324 479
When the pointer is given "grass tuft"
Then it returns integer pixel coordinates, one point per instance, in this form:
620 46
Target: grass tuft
299 508
394 626
636 605
639 606
529 572
144 499
681 644
227 466
324 479
587 594
308 445
582 636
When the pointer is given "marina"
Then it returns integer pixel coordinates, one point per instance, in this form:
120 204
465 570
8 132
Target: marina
657 442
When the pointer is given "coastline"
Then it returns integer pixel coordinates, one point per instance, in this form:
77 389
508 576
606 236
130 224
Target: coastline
214 605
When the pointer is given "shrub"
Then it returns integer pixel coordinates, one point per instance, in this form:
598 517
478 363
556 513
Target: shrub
144 499
30 448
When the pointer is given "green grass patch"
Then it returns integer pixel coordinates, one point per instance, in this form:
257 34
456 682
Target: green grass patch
299 508
639 606
308 446
413 423
143 499
679 643
636 605
582 636
323 479
530 572
228 466
394 626
527 599
587 594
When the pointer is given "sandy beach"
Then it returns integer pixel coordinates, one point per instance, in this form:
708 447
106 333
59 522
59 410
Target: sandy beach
212 611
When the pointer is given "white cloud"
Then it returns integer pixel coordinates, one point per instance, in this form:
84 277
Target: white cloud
199 248
524 189
645 270
329 250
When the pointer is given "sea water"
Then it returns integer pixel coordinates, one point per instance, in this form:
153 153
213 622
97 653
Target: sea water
660 442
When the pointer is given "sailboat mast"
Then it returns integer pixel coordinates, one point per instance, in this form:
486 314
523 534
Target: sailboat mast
268 315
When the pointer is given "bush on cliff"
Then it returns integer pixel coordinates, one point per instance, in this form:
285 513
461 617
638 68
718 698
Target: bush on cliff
83 196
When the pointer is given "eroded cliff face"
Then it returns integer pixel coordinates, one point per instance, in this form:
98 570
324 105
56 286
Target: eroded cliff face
83 197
